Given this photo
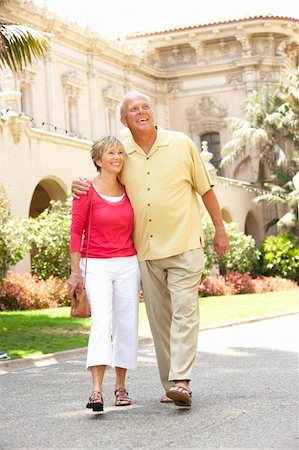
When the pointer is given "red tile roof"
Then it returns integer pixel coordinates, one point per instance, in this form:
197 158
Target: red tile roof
203 25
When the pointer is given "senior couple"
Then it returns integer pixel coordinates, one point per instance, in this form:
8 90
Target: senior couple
145 206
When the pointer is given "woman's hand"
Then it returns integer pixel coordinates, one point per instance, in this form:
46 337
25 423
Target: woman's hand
75 280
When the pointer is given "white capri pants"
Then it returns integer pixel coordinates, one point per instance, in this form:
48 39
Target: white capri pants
113 287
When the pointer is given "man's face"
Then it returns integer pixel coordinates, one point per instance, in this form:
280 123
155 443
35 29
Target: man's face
138 115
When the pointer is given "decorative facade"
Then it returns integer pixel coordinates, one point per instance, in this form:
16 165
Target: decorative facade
197 77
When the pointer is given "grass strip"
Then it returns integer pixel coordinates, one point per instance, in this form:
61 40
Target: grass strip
36 332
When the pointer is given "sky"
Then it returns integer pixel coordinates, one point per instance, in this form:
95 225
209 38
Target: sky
115 18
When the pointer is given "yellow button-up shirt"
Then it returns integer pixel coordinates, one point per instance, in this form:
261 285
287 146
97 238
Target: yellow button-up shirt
162 187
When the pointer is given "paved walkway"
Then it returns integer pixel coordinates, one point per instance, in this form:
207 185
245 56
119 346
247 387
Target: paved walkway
245 388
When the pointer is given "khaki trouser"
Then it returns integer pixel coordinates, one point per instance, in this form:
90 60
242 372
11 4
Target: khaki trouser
170 290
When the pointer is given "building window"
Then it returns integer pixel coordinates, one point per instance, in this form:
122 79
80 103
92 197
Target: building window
73 115
213 140
26 100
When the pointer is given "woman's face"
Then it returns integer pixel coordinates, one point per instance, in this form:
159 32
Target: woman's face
112 160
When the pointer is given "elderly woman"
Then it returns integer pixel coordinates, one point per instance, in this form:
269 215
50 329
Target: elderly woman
112 274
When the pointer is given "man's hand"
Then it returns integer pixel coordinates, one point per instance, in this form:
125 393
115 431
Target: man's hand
221 242
79 187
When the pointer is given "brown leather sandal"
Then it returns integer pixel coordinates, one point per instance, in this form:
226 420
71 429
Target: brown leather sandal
180 395
121 397
95 401
165 399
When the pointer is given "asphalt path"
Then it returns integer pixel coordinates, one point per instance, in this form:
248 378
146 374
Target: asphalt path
245 396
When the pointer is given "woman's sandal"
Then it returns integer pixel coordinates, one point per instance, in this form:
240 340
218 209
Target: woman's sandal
121 397
180 395
95 401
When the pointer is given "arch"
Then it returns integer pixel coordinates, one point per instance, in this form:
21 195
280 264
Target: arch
251 227
226 215
50 188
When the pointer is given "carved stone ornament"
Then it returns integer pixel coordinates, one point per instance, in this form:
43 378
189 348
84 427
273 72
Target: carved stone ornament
72 83
204 107
9 96
174 89
282 46
111 97
234 78
245 42
16 128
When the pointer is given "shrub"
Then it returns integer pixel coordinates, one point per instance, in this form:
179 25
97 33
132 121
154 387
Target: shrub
240 283
236 283
51 252
240 256
279 256
15 237
21 292
214 286
269 284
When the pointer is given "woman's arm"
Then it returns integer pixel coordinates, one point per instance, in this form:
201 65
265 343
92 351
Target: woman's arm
75 278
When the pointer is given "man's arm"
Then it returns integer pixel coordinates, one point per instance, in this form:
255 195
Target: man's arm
221 242
79 187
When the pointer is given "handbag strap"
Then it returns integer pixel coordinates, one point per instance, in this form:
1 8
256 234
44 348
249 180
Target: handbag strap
88 236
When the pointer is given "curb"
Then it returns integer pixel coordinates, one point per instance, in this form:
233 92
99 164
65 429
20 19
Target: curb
55 358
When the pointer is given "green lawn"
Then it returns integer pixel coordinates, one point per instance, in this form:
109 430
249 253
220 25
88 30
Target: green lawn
28 333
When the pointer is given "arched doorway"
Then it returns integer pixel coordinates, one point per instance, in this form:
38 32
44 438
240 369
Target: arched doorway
47 189
226 216
251 227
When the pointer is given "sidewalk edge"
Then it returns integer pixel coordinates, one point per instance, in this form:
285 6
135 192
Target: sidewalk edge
55 358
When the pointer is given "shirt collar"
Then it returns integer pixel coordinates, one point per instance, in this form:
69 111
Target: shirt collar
161 141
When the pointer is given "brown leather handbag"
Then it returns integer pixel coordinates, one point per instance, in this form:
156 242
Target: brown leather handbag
79 302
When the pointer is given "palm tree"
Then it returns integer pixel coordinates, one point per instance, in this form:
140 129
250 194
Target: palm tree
271 116
19 44
282 192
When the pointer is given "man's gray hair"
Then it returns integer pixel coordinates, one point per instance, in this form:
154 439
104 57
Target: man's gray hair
133 94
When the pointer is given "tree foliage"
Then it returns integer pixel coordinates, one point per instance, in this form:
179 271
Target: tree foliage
50 244
271 117
240 256
15 237
282 192
279 256
19 44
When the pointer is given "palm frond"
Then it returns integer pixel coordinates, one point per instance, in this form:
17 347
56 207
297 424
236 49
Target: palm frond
289 220
273 120
259 136
230 147
269 199
244 134
234 123
20 44
271 223
231 157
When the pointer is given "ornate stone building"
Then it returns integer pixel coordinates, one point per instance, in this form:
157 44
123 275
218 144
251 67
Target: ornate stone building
197 77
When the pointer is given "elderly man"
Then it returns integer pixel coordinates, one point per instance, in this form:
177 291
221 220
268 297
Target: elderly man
162 174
